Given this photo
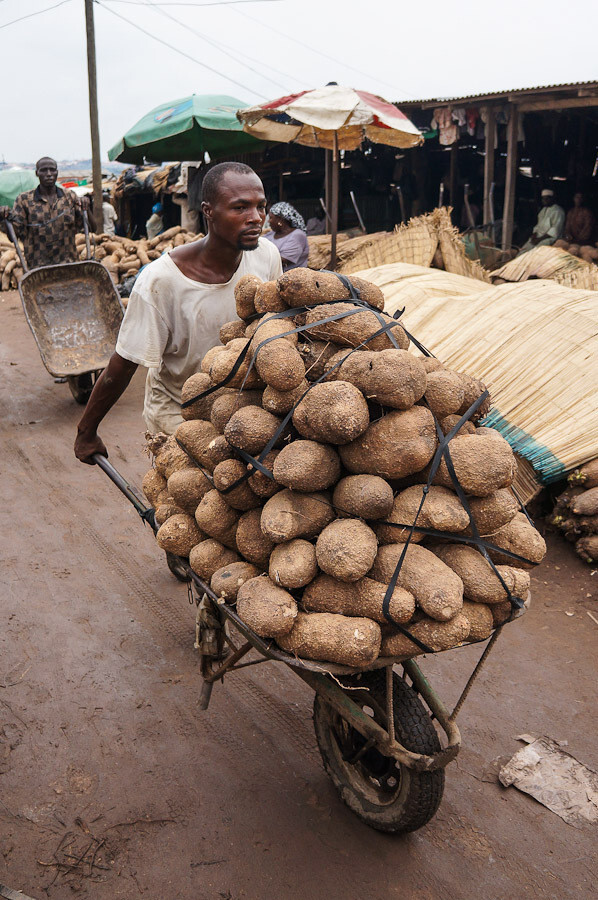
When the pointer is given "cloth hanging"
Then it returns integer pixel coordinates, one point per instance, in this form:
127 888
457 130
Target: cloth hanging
447 129
472 116
460 116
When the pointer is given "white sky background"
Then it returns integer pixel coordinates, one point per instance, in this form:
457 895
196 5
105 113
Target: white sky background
403 51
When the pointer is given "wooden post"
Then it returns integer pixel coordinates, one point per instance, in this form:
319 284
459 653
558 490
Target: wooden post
508 214
96 165
489 161
453 177
334 211
327 192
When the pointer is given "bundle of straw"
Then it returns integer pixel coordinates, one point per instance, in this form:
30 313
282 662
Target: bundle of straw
543 262
536 346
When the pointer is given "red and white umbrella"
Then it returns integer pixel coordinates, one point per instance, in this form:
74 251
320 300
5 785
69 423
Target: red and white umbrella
314 118
334 118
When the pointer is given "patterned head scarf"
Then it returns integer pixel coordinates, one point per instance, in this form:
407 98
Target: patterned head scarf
289 214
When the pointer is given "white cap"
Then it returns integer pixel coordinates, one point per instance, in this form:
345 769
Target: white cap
547 193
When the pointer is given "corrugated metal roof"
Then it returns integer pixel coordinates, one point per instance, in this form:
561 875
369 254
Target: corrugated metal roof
503 95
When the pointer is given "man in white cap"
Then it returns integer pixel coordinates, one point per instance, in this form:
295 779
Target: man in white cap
549 227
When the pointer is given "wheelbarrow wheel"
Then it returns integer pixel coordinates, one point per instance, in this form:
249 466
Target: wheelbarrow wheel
384 793
82 385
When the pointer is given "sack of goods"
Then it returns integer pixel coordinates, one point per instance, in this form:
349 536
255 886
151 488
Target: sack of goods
576 511
336 487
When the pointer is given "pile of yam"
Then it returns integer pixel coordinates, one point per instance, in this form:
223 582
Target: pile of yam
122 256
301 475
576 511
10 267
587 252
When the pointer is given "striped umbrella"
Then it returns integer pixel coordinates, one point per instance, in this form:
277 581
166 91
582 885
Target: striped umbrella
334 118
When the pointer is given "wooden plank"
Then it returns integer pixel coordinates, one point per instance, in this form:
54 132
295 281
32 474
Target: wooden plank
570 103
511 179
453 178
334 187
510 96
489 161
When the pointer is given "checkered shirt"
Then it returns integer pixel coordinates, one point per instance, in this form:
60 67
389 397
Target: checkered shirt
47 227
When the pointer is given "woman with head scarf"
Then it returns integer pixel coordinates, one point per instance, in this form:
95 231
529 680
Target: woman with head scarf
288 235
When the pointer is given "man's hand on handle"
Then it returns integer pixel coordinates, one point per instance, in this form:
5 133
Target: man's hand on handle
4 212
86 444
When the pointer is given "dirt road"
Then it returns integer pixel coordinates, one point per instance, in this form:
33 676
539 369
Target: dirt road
114 785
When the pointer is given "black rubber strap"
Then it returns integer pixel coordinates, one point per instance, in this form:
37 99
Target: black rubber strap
286 420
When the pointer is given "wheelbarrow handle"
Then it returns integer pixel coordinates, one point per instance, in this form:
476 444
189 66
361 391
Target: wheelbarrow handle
11 233
130 492
86 230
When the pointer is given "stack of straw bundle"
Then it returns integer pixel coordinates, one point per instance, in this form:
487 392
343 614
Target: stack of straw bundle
424 241
414 243
453 249
319 249
552 263
535 344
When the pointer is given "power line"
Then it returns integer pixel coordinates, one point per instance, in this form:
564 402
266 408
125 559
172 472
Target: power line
217 44
176 50
185 3
38 13
318 52
220 44
213 41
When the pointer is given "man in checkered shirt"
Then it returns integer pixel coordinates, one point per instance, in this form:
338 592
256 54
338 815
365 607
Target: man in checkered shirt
47 218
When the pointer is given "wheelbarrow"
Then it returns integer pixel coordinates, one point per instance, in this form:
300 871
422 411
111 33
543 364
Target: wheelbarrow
74 312
374 726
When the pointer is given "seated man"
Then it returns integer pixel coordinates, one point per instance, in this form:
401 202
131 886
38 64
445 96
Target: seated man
179 303
549 227
580 222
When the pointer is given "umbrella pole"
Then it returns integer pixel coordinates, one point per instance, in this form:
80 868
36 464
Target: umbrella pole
327 168
334 210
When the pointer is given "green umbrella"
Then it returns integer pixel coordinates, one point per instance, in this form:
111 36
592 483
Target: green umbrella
185 129
13 182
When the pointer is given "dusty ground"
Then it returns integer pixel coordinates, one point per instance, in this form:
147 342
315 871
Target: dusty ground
108 767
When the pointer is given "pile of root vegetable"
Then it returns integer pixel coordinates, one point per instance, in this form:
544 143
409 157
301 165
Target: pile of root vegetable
587 252
10 267
576 511
294 484
123 257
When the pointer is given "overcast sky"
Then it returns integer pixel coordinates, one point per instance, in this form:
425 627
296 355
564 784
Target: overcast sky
400 50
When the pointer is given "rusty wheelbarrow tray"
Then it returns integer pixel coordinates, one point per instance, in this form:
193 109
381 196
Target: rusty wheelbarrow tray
74 313
374 726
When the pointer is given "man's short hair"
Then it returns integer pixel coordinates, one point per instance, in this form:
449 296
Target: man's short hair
213 179
43 159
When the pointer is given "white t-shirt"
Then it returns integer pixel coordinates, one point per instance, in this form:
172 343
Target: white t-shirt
110 217
171 321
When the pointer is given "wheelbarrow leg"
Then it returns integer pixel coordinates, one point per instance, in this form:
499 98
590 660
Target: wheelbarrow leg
205 694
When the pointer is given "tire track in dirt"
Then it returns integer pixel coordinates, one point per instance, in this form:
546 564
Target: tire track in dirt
172 621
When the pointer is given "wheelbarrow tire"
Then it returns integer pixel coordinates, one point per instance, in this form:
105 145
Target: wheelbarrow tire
382 792
82 385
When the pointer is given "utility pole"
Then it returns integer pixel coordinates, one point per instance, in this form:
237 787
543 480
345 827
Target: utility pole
96 166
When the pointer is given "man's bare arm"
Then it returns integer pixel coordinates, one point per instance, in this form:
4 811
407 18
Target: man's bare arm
111 384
